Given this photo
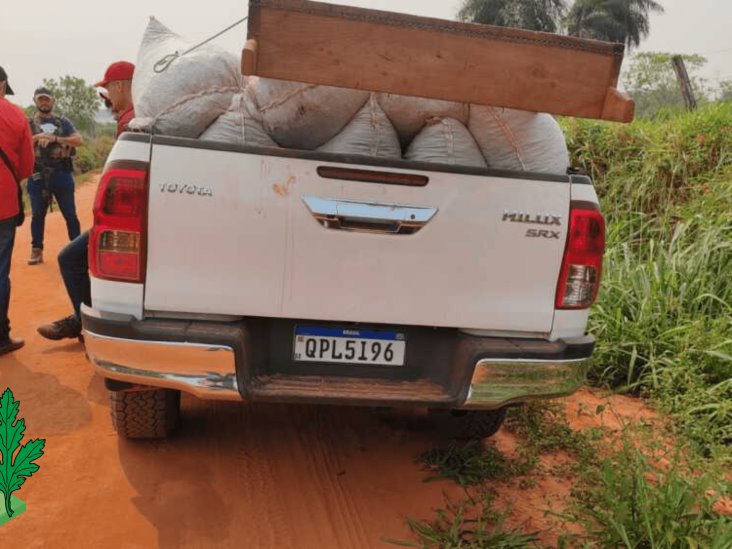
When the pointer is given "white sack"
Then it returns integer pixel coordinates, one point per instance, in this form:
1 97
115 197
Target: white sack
519 140
192 92
368 133
238 127
409 114
445 141
303 116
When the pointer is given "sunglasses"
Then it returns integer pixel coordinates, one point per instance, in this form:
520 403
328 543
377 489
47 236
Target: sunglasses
107 102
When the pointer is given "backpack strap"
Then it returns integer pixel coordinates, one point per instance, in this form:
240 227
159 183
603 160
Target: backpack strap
6 160
21 210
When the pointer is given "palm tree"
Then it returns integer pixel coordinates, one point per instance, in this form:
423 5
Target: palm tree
625 21
540 15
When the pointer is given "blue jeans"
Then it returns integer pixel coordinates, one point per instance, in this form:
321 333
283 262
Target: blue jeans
7 241
62 188
74 263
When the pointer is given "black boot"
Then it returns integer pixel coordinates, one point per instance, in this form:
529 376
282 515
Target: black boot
68 327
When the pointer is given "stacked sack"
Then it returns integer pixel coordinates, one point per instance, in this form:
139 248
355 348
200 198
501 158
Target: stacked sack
239 125
369 133
303 116
519 140
203 95
410 114
452 133
185 96
445 141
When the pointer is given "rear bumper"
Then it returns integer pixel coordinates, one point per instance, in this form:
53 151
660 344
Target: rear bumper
247 360
497 383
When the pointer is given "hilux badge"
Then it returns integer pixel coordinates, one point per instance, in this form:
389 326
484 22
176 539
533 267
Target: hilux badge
515 216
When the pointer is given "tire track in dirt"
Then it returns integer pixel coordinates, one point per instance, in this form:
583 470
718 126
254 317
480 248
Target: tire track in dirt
255 470
328 469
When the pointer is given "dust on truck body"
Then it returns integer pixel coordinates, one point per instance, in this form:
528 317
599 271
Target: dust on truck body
267 274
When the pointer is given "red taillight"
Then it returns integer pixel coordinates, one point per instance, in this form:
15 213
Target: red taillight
117 239
579 279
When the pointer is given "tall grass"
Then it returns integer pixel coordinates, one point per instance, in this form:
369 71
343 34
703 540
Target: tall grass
652 167
630 501
664 315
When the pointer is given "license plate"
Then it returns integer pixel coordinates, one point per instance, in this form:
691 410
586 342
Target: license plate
349 346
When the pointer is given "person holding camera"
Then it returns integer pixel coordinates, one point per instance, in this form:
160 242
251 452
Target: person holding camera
16 164
55 139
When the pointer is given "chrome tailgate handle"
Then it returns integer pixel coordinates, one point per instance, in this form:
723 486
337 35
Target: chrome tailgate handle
368 217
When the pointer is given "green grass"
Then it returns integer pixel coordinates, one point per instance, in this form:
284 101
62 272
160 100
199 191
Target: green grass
543 428
664 324
475 522
632 500
93 153
651 166
663 319
471 464
470 524
631 488
17 505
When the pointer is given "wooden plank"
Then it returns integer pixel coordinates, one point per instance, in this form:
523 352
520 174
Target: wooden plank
618 106
373 50
249 57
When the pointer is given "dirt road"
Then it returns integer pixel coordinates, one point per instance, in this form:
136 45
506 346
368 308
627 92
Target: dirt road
234 476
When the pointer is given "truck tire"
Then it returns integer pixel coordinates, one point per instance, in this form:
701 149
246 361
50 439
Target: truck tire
144 414
470 424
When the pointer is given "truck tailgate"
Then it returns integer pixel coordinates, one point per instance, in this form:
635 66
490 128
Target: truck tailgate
241 233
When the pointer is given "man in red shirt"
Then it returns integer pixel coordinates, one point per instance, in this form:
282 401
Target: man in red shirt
73 260
16 163
118 85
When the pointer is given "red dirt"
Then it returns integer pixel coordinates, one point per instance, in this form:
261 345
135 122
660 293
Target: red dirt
235 475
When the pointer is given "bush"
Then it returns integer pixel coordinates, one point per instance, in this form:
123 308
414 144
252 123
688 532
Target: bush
652 167
93 153
664 315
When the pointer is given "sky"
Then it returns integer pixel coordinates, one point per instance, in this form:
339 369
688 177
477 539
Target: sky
44 39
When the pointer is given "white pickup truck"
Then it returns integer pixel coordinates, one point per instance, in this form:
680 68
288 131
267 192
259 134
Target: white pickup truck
262 274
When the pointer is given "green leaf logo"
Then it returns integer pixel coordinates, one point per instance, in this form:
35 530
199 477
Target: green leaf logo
15 467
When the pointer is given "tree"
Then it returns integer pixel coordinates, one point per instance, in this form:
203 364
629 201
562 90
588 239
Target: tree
539 15
625 21
651 81
77 100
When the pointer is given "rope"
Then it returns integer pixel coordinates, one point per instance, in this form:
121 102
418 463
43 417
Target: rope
148 122
163 64
285 97
373 115
508 134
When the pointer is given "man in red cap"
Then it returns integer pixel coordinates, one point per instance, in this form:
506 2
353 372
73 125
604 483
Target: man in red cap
73 260
16 163
118 84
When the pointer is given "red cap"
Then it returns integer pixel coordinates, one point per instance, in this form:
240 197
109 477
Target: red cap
121 70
